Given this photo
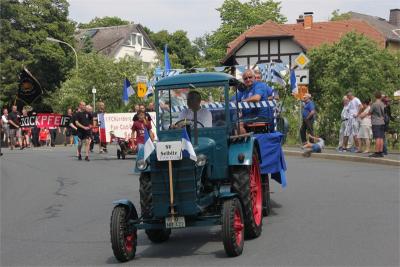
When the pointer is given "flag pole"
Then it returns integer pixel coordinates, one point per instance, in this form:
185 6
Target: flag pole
171 188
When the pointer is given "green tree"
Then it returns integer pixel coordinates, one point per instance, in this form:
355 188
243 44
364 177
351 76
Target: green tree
336 15
182 53
354 64
103 22
237 17
103 73
24 26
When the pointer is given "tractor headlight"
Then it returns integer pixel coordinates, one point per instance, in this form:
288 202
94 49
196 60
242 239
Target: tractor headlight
141 164
201 160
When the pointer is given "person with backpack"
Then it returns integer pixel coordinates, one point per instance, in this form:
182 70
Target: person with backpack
377 112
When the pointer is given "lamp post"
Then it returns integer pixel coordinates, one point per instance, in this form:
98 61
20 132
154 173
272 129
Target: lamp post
94 98
73 49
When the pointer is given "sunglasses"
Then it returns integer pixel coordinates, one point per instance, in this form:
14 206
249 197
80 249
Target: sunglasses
247 78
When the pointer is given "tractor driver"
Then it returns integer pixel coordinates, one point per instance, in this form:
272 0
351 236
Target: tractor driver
204 116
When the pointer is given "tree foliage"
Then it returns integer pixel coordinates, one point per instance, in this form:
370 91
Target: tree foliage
336 15
354 64
182 53
103 73
237 17
24 26
103 22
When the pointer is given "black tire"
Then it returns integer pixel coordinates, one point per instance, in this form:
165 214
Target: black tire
158 235
146 197
266 195
241 186
123 154
123 237
232 229
146 205
118 153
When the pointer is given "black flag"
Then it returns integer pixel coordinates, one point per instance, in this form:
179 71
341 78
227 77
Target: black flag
29 89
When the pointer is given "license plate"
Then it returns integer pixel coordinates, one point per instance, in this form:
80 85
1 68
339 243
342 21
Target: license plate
175 222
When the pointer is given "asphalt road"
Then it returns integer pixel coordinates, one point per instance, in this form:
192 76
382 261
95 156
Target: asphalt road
55 211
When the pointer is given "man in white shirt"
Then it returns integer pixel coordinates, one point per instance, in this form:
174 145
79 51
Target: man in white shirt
204 116
352 125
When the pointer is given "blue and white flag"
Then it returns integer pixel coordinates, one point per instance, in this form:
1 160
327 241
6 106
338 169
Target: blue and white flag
148 144
187 148
277 77
127 91
150 89
167 63
293 82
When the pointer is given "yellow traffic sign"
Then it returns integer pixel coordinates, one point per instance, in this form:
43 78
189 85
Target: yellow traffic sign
141 89
302 60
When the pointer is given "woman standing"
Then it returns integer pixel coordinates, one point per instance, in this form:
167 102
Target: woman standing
365 132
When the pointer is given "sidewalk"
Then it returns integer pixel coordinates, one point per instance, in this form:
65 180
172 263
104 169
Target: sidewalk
392 159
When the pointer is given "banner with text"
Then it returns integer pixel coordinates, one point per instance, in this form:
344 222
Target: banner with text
43 120
121 124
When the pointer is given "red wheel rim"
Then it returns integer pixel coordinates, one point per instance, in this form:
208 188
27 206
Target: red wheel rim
129 239
238 227
256 190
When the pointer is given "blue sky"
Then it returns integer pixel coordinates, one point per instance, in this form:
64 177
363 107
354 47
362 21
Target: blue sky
200 16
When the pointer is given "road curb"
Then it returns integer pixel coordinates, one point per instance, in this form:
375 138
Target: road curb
382 161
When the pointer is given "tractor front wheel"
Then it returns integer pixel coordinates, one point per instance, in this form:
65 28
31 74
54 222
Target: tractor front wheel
123 236
118 153
233 227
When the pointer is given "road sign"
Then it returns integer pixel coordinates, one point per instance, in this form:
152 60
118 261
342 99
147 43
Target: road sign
141 79
302 76
141 89
302 60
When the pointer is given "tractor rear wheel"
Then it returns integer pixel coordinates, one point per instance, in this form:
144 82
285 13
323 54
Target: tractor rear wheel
247 184
266 205
118 153
233 227
146 205
123 236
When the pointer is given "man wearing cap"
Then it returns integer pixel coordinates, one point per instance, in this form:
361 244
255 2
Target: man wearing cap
308 115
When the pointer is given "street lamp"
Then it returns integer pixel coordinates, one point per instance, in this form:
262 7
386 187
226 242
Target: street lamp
59 41
94 98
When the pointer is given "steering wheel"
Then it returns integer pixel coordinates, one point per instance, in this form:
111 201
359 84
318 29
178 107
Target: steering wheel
181 123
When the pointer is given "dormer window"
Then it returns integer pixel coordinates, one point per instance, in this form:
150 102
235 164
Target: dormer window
135 38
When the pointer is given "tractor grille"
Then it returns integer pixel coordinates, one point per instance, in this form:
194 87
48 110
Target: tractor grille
184 185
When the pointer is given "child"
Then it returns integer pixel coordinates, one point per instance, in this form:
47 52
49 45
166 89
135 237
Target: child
43 136
138 129
314 147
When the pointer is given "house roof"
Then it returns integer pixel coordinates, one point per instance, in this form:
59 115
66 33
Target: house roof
107 40
382 25
268 28
320 33
331 32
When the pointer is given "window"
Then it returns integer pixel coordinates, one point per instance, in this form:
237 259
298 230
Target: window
135 38
146 44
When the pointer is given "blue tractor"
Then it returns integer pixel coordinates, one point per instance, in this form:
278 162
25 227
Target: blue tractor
217 182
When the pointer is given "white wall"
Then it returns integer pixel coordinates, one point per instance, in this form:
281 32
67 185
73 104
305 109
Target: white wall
288 46
146 55
250 48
